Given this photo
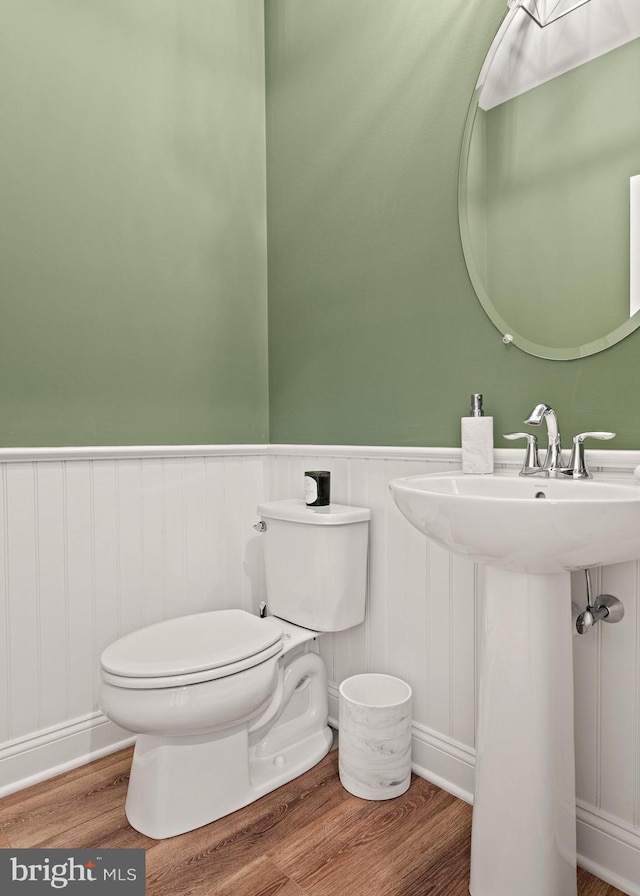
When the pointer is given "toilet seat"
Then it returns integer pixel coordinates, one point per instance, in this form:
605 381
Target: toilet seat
190 650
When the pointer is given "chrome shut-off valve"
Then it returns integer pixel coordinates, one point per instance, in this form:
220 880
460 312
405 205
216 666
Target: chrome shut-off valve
605 607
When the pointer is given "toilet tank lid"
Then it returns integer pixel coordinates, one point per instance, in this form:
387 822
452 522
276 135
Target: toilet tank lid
296 511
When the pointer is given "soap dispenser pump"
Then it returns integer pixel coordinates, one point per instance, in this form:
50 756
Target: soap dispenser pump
477 439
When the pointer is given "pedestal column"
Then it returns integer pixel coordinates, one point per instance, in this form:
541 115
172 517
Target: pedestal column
523 840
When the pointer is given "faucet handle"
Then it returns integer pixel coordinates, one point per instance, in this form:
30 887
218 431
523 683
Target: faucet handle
603 436
520 435
577 467
531 461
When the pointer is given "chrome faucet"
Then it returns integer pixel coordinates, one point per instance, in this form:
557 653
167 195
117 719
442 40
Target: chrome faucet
553 460
553 464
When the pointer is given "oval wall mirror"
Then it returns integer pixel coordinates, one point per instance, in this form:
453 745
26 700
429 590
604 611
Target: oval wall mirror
549 191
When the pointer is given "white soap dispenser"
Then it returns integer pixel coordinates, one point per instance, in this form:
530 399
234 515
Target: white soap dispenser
477 439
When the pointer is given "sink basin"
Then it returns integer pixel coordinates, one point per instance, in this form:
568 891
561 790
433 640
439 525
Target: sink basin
525 524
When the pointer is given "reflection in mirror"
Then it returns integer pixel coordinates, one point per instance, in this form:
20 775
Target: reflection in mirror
550 165
544 12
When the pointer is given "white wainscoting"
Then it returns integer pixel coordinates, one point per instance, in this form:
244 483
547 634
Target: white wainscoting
97 541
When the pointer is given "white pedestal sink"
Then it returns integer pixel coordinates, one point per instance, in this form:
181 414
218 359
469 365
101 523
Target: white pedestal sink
530 532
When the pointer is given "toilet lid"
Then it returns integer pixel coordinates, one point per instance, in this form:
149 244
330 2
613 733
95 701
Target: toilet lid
190 644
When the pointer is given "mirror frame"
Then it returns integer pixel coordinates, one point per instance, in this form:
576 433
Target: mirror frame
509 335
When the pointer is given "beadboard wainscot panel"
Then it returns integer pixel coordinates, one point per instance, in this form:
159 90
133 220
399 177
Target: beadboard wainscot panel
95 542
424 624
422 602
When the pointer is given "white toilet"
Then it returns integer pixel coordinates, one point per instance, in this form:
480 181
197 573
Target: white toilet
227 705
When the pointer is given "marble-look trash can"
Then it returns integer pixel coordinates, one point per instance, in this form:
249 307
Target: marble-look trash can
374 749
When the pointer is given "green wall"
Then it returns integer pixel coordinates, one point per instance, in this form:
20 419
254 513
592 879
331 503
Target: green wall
132 222
375 333
133 277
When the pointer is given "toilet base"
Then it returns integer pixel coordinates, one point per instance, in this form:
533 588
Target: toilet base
179 784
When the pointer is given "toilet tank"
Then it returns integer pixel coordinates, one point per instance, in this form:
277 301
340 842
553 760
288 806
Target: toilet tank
316 563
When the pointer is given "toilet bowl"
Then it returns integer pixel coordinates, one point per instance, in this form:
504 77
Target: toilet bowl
191 675
227 705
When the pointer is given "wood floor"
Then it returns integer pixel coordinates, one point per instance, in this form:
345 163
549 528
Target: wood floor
309 838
